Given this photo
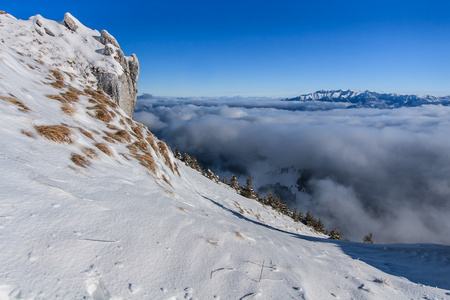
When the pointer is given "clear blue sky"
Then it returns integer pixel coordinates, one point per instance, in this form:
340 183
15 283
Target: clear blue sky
272 48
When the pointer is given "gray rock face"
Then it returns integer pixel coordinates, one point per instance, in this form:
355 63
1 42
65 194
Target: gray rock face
106 38
121 88
70 22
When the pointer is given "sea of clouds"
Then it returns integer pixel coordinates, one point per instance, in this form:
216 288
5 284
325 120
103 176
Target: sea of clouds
368 170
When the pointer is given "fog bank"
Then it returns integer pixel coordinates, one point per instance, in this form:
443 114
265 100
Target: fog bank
368 170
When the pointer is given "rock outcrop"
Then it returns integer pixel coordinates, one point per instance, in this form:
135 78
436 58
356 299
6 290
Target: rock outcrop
122 88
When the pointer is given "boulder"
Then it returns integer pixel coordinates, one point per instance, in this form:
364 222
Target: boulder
70 22
106 38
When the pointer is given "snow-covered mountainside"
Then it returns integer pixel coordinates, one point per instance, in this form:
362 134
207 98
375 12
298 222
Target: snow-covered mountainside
367 99
93 206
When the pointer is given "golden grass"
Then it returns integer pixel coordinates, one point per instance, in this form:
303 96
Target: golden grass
239 235
129 121
212 242
112 127
80 160
147 161
100 96
68 108
56 133
108 139
89 152
133 149
101 113
152 144
86 133
27 133
59 83
141 145
16 102
121 136
72 95
166 180
105 149
163 149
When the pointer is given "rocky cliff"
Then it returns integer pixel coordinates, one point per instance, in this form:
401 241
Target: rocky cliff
121 87
78 52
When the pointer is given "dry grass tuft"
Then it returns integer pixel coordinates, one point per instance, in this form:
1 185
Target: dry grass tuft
147 161
142 145
16 102
212 242
239 235
72 95
27 133
166 180
86 133
108 139
138 131
56 133
121 136
112 127
89 152
129 121
100 96
59 83
101 113
241 210
68 108
163 149
152 144
56 97
133 149
105 149
80 160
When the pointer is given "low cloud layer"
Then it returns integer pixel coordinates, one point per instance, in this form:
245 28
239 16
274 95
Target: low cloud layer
369 170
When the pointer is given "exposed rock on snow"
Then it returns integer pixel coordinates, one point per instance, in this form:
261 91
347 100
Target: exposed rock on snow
106 38
71 22
122 88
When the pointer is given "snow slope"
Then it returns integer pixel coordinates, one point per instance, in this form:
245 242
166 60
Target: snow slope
104 211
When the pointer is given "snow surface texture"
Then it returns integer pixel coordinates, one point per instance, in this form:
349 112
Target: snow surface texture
130 222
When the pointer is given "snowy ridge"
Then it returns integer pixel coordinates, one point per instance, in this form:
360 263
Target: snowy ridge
93 206
368 99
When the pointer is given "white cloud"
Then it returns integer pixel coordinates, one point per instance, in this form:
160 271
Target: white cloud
373 170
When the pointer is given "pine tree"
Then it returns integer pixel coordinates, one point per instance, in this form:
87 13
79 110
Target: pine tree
247 190
224 180
234 183
278 205
309 219
296 216
335 234
319 226
368 239
177 153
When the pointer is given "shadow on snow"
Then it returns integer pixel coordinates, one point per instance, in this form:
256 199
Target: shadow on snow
427 264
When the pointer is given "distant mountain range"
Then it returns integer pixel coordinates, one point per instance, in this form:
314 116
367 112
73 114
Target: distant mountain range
358 99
